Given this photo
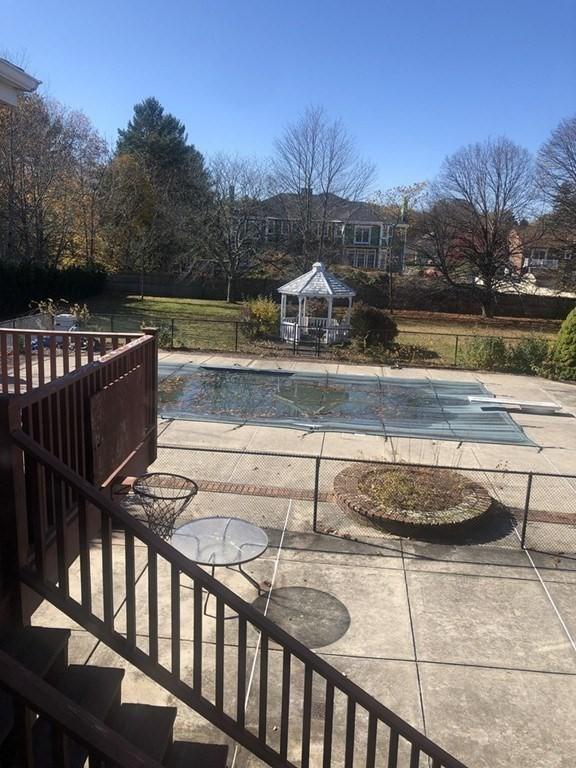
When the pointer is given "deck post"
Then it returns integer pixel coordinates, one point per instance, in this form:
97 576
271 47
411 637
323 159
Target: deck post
152 391
316 494
13 518
526 510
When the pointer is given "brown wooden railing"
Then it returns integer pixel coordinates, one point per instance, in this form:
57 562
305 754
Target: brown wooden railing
30 359
98 420
320 716
57 414
70 724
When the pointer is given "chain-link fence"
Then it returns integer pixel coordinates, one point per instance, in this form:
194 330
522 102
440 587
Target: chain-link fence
274 491
417 348
346 498
549 524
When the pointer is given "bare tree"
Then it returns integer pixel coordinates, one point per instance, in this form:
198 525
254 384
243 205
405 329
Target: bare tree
396 207
557 177
234 238
469 228
317 157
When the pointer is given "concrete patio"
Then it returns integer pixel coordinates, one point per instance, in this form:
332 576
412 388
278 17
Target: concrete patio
472 644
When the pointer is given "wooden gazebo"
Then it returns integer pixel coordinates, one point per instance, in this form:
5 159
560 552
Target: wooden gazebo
318 283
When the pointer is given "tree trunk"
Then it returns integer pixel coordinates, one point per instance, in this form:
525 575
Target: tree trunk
487 305
229 289
142 278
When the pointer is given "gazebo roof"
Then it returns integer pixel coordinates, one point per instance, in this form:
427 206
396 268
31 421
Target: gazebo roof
317 283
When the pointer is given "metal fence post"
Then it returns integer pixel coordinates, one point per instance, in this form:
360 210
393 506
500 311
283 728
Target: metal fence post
236 336
316 494
456 350
526 510
172 333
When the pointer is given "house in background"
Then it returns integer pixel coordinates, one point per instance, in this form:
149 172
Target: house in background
13 81
547 255
339 231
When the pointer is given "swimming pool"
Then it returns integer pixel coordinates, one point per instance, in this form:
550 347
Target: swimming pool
425 408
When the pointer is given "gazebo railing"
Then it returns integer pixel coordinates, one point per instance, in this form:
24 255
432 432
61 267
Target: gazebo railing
291 330
320 322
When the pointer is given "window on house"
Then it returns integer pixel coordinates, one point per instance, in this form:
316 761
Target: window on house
539 253
362 258
285 227
362 235
270 227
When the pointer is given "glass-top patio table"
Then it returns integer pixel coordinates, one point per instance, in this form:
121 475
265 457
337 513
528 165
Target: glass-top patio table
221 541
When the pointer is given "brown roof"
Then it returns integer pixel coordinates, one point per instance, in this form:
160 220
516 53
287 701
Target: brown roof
287 206
533 236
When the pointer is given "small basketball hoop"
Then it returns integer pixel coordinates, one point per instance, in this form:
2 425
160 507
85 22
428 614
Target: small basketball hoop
164 497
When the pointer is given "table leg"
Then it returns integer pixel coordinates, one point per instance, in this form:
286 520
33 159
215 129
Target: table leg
208 594
251 580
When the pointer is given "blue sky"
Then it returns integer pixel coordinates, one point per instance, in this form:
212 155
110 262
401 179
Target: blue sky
412 80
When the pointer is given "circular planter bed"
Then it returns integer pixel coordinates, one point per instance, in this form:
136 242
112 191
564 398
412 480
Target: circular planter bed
409 500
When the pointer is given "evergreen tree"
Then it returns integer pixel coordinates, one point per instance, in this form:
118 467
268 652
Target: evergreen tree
159 139
179 187
563 362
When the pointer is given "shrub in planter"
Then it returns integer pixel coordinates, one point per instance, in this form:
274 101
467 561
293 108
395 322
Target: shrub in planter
562 360
163 334
484 352
371 326
528 355
260 317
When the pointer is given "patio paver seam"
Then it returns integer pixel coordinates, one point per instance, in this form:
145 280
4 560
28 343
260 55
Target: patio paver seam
413 637
552 602
257 648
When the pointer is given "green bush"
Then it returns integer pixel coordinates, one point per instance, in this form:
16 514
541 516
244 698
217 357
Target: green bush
484 352
260 317
163 335
371 326
371 286
562 361
527 355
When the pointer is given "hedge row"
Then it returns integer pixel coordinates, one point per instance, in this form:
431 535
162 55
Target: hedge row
409 293
22 284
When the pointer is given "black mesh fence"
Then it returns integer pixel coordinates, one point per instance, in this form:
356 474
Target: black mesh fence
360 499
357 499
550 524
217 334
274 491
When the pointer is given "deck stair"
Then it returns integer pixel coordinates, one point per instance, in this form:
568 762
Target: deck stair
98 691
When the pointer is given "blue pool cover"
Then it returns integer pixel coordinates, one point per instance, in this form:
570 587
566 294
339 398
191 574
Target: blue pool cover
422 408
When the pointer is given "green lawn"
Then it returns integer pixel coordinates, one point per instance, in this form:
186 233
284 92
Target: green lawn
151 305
213 325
